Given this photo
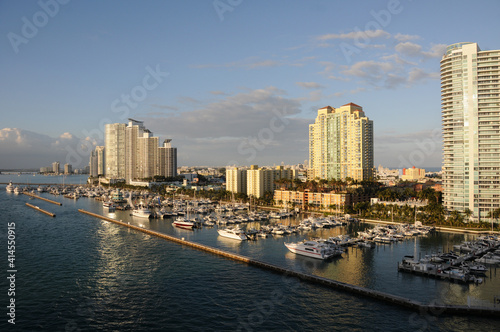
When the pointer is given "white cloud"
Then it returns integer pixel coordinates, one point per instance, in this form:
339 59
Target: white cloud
26 149
414 50
250 127
402 37
218 93
247 63
309 85
356 35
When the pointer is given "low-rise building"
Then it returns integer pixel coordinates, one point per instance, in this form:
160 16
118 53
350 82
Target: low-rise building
324 201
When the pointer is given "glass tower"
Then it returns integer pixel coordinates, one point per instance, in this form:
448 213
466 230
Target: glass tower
470 109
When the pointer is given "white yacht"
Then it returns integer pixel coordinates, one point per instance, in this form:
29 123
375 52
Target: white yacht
141 211
17 191
183 222
109 205
313 249
233 233
10 187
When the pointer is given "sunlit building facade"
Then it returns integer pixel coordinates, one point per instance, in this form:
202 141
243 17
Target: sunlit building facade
470 109
133 153
114 143
341 144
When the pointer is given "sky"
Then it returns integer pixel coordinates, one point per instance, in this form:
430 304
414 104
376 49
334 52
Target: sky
231 82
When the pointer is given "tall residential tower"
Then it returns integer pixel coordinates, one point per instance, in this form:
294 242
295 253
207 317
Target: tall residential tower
470 109
132 153
341 144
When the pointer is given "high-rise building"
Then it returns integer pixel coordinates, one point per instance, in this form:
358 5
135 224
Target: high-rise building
101 164
132 153
167 159
134 130
56 167
470 109
68 169
147 155
97 163
341 144
236 179
114 143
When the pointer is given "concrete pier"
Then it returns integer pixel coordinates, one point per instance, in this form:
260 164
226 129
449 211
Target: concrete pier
360 291
41 210
42 198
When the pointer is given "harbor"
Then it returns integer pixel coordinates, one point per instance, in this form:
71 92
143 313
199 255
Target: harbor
388 298
126 261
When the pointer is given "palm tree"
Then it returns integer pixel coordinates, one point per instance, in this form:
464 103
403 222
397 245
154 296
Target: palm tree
467 213
495 214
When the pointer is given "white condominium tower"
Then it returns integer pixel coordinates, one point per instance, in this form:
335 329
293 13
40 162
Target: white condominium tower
114 143
470 107
341 144
132 153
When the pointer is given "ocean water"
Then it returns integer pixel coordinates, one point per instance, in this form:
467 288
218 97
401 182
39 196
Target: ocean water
79 273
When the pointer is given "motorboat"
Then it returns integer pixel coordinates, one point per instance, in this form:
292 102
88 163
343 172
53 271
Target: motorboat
489 258
366 244
109 205
313 249
476 268
141 211
232 233
10 187
183 222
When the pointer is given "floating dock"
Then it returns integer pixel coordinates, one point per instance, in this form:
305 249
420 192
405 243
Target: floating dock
360 291
41 210
42 198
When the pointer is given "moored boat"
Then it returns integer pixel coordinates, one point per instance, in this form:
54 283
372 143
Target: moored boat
232 233
10 187
183 222
141 211
313 249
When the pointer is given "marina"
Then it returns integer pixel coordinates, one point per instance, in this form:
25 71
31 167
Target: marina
396 300
371 270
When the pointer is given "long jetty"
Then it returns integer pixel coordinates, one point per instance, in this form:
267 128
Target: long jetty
42 198
353 289
41 210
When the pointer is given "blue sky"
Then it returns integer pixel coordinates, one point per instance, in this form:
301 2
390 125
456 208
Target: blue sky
230 81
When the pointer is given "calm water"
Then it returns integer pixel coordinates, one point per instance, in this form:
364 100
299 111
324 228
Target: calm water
78 273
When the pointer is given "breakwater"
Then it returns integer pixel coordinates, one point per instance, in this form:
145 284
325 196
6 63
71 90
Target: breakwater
42 198
41 210
360 291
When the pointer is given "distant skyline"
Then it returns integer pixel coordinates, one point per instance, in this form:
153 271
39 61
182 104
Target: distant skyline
230 82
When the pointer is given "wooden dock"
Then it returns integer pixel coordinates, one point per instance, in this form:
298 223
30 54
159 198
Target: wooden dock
41 210
357 290
42 198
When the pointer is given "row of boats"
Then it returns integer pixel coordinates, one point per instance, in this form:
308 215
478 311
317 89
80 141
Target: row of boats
466 263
